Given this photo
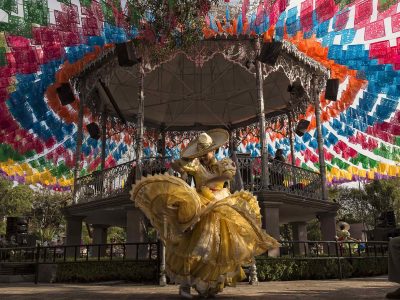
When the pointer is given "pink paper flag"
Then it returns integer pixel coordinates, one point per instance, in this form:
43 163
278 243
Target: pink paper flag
374 30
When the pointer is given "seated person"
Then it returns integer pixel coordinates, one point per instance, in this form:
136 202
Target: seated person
276 177
343 235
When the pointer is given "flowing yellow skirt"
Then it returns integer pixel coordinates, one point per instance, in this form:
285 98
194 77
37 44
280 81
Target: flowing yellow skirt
208 236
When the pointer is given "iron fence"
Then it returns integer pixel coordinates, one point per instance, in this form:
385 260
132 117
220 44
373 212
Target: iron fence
151 253
81 253
116 180
281 177
329 249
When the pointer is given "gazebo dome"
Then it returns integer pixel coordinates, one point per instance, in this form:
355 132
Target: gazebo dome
197 91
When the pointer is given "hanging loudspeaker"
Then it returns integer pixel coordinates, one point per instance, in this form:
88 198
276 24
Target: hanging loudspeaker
331 90
270 52
65 94
296 89
94 130
301 127
126 54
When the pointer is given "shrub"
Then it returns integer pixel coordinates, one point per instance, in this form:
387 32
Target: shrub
319 268
93 271
267 269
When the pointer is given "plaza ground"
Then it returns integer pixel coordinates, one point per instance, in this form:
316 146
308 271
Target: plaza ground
362 288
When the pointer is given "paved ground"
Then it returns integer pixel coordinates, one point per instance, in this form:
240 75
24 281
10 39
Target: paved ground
366 288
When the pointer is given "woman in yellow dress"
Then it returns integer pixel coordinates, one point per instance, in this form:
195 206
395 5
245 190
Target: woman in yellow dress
209 233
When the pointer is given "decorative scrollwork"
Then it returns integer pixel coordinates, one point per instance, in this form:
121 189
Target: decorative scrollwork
117 180
282 177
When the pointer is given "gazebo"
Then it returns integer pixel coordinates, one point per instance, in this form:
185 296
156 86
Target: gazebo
220 82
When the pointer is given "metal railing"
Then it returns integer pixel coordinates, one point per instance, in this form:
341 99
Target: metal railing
329 249
116 180
148 252
151 253
281 177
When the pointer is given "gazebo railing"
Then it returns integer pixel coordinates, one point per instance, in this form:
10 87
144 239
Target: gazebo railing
102 184
116 180
281 177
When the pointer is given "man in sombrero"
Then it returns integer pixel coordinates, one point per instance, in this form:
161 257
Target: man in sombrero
209 233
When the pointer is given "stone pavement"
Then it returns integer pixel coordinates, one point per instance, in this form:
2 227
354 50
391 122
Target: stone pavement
365 288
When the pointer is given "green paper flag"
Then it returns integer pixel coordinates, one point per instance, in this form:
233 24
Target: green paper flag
9 6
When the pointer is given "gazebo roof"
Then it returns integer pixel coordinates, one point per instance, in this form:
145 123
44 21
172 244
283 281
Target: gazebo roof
212 86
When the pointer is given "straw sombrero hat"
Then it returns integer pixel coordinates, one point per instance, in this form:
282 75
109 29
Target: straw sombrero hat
205 142
345 224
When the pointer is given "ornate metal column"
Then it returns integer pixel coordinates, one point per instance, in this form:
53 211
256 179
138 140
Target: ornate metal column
291 137
163 274
316 88
103 137
261 118
238 175
163 143
103 148
79 139
139 124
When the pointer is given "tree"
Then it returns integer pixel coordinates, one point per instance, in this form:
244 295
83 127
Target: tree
14 201
314 231
116 235
46 216
383 196
366 204
354 207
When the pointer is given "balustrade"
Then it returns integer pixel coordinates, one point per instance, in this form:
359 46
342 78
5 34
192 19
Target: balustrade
117 180
281 177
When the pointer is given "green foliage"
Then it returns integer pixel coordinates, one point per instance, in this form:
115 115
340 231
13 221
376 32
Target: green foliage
365 204
86 235
267 269
354 205
43 207
324 268
14 201
383 195
46 216
143 272
314 230
116 235
286 232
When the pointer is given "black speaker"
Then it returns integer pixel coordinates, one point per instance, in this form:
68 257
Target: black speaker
296 89
270 52
126 54
387 219
301 127
94 130
331 90
65 94
16 226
